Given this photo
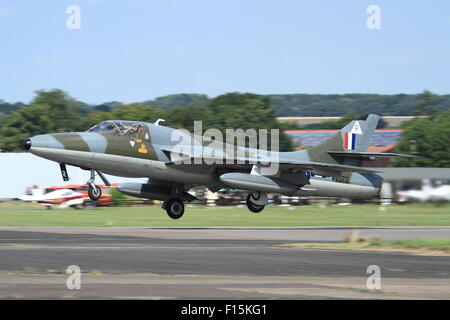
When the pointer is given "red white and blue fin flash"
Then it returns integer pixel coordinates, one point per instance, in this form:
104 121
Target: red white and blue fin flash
350 137
349 141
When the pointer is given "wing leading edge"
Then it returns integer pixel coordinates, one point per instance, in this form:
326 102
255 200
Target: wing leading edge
324 169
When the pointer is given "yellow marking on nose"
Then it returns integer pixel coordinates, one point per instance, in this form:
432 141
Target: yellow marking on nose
143 149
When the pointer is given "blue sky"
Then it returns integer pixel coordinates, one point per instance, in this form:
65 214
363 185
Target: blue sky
139 49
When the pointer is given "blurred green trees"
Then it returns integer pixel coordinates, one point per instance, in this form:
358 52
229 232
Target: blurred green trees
427 138
23 123
55 110
117 197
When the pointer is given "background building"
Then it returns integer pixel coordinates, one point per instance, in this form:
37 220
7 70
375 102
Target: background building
383 140
390 121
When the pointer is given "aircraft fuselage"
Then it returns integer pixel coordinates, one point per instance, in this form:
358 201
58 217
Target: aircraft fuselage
141 154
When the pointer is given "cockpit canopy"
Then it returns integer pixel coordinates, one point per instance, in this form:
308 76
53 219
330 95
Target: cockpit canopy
119 128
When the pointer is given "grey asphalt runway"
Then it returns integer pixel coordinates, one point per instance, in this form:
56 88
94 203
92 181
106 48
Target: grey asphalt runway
217 263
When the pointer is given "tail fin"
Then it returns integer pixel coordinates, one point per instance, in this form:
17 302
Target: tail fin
354 137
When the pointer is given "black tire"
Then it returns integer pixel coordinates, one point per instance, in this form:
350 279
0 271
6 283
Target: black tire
94 194
174 208
255 208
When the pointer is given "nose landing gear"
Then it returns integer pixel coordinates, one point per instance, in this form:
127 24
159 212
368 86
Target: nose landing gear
94 191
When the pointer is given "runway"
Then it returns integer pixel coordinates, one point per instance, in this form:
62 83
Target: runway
196 263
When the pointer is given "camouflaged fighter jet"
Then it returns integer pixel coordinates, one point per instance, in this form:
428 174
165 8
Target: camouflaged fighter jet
137 149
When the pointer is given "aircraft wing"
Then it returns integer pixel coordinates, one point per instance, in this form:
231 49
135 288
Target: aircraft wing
30 198
320 168
324 167
414 194
71 202
354 154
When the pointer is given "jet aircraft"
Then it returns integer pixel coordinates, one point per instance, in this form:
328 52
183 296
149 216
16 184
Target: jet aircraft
137 149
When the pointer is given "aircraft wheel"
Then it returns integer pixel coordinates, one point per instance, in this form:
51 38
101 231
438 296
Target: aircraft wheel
174 208
94 192
254 207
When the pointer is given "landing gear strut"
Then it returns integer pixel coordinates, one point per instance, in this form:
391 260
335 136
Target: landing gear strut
174 208
253 199
94 191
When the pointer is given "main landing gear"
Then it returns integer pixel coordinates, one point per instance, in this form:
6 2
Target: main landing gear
174 208
256 201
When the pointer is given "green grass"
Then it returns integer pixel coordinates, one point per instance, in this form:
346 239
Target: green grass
27 214
423 243
420 245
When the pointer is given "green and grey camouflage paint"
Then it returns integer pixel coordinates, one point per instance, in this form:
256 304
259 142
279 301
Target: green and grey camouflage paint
135 149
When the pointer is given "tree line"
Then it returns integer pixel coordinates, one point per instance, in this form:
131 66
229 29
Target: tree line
56 111
316 105
293 105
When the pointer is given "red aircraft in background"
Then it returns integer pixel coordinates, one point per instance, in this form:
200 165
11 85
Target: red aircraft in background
73 195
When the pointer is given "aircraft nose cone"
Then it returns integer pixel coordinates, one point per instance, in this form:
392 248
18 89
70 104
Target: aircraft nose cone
26 144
